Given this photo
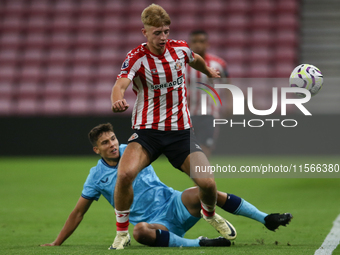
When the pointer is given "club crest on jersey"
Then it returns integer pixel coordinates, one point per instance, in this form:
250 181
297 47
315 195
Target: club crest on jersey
126 63
133 137
154 71
178 65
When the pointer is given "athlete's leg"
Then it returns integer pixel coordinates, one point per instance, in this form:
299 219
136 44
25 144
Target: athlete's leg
235 205
205 181
134 159
159 236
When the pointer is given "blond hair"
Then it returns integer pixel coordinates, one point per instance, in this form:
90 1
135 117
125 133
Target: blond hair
154 15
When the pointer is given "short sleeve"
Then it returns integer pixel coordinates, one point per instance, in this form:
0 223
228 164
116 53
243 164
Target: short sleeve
89 190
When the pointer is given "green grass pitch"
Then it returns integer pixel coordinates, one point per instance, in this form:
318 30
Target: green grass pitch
37 195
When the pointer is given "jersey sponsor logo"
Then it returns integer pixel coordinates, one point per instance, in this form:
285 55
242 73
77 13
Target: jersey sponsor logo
170 84
133 137
126 63
105 181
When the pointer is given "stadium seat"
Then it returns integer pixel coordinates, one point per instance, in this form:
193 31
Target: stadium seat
86 40
262 38
82 56
287 6
26 107
285 54
36 24
40 7
261 22
53 106
286 22
6 107
35 40
260 55
235 55
112 23
62 23
78 90
287 38
238 7
26 90
236 39
235 22
114 8
8 73
87 24
113 40
8 57
12 24
263 6
33 57
259 70
216 7
7 90
58 57
15 7
283 69
10 40
65 7
78 106
89 8
102 89
30 74
53 90
56 73
102 106
60 40
185 23
237 70
189 7
212 22
81 73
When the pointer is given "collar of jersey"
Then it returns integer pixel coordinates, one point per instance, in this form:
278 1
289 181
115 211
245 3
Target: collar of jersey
107 165
149 52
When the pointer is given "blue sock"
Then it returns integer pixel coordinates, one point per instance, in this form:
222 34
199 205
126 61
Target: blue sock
168 239
177 241
239 206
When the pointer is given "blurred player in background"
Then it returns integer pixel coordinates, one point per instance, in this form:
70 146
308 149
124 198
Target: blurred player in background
161 215
160 119
204 131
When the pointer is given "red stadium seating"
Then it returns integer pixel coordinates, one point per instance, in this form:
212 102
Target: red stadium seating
63 57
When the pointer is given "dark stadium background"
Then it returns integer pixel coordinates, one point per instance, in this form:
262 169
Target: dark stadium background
59 60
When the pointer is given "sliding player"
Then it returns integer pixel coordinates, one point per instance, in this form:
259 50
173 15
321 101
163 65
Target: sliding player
161 215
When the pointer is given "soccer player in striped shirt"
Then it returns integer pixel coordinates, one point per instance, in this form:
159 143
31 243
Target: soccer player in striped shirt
160 118
204 131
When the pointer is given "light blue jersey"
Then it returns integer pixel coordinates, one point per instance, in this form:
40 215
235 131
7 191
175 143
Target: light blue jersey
153 201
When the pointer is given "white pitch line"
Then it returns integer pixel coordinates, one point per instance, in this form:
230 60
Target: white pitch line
332 240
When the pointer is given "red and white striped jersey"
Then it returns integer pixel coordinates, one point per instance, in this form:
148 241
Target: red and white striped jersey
159 83
194 95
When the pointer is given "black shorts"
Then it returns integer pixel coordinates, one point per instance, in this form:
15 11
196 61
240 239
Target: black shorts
204 130
175 145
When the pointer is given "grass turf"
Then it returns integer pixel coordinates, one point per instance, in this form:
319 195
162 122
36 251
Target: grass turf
37 195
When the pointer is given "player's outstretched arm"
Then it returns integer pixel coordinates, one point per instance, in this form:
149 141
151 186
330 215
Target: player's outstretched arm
200 65
119 104
72 222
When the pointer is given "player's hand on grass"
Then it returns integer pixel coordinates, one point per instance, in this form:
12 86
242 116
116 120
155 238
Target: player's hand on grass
213 73
120 106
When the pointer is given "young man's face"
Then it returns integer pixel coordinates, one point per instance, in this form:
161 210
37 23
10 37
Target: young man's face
156 38
198 43
108 147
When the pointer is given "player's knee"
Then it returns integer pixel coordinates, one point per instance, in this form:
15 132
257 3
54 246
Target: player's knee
208 186
126 177
140 232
